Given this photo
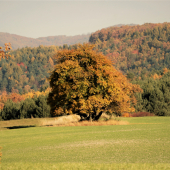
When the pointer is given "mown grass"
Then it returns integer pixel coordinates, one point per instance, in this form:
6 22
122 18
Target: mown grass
143 144
84 166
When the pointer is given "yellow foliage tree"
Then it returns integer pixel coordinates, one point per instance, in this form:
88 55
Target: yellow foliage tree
84 82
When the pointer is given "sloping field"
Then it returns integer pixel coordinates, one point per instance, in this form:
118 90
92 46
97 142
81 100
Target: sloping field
142 144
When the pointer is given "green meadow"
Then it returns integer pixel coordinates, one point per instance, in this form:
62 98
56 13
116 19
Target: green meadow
142 144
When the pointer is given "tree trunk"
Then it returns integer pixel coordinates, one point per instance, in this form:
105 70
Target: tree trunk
91 118
98 116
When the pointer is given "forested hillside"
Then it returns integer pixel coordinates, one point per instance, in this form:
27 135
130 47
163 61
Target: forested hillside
28 68
20 41
142 53
137 50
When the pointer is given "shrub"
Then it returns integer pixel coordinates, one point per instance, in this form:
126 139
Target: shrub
10 110
126 115
27 108
142 114
42 109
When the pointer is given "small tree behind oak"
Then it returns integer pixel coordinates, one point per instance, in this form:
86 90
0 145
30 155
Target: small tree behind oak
84 82
4 52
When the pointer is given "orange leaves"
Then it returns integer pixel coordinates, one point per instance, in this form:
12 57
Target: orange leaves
15 97
155 76
165 70
58 111
126 115
5 53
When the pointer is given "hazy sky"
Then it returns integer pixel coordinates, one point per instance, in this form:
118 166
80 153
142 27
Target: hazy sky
49 18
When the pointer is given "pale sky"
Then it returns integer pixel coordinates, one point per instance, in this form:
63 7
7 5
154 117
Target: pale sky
50 18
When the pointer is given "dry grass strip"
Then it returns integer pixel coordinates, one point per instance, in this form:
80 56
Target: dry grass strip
74 120
70 120
60 120
87 123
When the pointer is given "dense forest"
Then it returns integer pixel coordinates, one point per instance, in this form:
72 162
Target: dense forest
28 68
140 52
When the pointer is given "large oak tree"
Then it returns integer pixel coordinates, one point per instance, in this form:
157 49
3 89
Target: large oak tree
84 82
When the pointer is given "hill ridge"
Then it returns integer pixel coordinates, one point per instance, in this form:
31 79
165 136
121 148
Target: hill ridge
19 41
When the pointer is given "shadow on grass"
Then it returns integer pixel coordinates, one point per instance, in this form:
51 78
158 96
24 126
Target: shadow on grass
19 127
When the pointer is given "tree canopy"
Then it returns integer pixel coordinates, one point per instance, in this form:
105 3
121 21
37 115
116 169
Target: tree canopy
84 82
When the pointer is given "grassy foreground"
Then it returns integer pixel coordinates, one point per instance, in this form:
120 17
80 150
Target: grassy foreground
143 144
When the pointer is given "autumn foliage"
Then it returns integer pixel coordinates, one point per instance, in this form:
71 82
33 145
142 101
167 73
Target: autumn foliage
139 49
4 52
84 82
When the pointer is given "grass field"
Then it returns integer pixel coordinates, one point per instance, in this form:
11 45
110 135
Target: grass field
142 144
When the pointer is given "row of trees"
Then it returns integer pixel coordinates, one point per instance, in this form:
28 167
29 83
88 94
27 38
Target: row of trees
31 107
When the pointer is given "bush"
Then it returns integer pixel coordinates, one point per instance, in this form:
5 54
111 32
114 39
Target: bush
35 107
10 110
27 108
42 108
142 114
126 115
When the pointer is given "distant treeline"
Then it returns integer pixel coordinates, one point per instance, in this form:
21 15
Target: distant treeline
29 108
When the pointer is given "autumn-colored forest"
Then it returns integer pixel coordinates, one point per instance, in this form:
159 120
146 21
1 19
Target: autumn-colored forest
140 52
141 49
